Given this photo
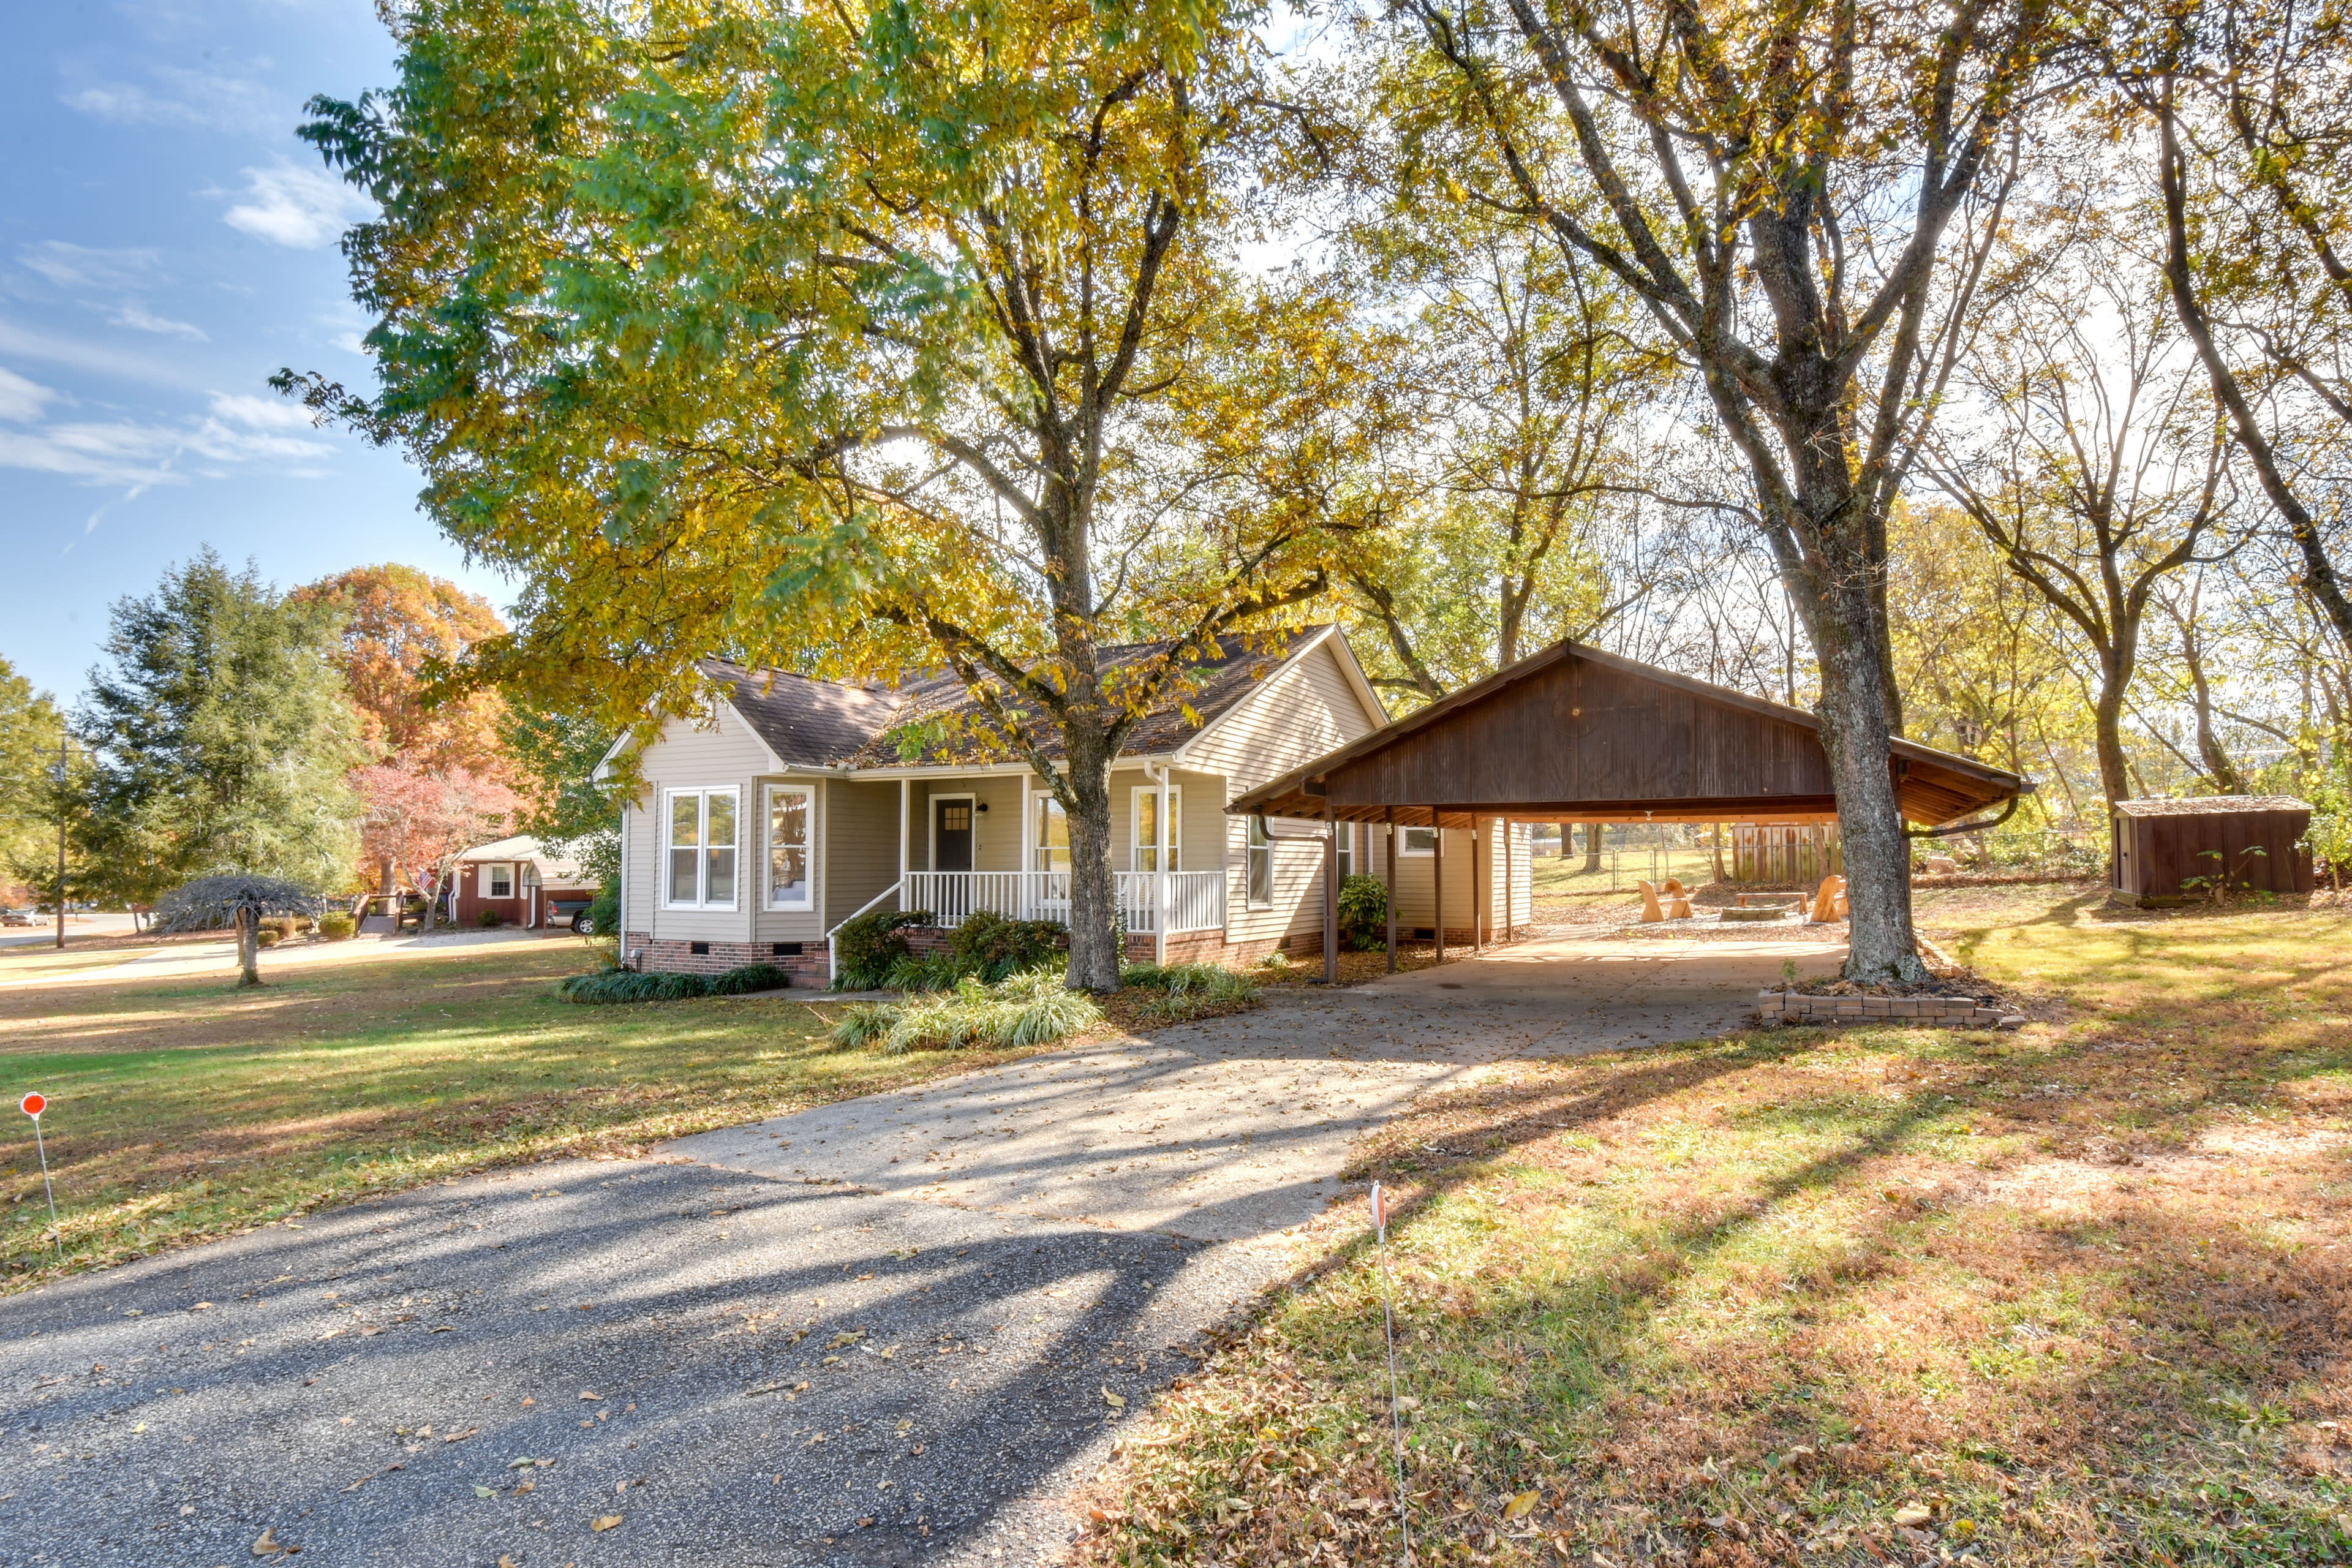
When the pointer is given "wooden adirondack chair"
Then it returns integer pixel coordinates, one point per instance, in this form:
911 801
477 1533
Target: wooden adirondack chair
1651 913
1829 904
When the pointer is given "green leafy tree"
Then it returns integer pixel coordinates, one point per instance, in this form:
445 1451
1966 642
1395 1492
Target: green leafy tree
30 728
1800 198
857 338
564 808
220 738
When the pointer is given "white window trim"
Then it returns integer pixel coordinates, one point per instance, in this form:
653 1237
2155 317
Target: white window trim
932 826
1041 805
767 861
1405 851
490 878
1175 825
1251 851
702 849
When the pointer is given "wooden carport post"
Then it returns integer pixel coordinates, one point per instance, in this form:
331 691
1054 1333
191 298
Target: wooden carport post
1437 877
1330 897
1388 868
1480 908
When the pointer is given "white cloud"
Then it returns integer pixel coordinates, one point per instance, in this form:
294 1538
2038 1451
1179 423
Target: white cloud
24 343
185 98
134 314
81 266
21 399
126 452
260 413
298 208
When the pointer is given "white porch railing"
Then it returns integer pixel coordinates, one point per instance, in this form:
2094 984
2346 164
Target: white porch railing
1194 901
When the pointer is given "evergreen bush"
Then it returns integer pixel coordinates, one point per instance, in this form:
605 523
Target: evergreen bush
612 985
992 947
1364 913
865 949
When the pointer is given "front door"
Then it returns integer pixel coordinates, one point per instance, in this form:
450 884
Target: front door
951 836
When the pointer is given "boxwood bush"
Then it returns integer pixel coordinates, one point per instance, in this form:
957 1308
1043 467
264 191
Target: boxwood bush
865 949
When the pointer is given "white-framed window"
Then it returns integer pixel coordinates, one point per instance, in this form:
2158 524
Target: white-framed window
497 880
791 817
1151 836
1049 836
1347 848
702 848
1258 866
1417 841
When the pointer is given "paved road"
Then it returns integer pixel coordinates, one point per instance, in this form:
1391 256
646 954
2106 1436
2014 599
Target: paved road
787 1369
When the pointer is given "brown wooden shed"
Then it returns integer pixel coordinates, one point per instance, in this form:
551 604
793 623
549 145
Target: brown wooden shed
2160 844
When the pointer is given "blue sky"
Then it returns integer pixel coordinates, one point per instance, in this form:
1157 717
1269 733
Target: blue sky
166 244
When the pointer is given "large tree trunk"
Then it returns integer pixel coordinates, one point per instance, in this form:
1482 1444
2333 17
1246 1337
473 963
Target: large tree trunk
1095 936
1591 844
1857 728
249 949
2115 773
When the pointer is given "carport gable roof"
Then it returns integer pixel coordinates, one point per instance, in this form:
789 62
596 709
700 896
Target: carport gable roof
1576 734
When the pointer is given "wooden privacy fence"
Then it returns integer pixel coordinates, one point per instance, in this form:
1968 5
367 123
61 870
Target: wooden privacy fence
1793 854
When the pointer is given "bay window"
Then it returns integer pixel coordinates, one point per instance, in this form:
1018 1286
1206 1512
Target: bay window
1152 836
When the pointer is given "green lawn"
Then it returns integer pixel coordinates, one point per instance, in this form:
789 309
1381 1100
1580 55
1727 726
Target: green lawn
2078 1294
181 1109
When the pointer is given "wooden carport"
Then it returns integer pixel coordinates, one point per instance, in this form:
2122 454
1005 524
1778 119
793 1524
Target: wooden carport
1576 734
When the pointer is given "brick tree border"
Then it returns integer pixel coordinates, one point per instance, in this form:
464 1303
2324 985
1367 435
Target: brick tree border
1774 1008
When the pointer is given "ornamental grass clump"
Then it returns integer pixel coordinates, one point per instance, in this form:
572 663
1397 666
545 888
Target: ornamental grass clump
1032 1008
612 985
1189 990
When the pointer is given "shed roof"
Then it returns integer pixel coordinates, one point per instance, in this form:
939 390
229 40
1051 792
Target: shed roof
1574 733
2210 806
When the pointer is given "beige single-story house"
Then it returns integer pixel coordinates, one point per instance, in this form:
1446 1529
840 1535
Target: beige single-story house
792 805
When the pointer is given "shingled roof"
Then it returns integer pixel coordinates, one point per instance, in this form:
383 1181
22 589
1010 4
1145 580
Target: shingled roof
809 723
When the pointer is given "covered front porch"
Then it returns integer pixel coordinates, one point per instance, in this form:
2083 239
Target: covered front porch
948 843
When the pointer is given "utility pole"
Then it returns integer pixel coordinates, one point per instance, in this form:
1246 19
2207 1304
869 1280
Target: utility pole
62 841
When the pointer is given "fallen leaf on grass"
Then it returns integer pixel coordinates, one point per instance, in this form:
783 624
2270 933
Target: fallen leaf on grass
610 1522
1911 1514
1520 1506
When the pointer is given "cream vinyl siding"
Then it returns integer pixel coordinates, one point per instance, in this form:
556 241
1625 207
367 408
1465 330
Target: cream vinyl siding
1305 708
1414 908
723 754
996 833
859 852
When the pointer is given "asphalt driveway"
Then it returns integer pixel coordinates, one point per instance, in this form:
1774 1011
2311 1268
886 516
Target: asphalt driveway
892 1331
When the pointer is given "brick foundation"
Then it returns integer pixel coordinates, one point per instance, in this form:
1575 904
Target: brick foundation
670 956
1778 1007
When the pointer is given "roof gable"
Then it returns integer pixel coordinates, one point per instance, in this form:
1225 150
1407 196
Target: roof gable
1574 727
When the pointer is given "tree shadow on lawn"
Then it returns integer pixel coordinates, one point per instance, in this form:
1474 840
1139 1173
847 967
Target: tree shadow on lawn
1741 1285
910 1373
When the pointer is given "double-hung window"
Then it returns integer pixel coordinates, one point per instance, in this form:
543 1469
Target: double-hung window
1347 848
1152 835
1259 864
497 880
702 848
792 810
1051 843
